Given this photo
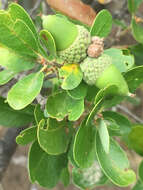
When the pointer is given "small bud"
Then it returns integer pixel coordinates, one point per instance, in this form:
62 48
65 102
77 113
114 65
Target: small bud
95 50
97 40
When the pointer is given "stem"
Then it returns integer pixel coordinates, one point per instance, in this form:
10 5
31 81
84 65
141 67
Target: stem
43 68
33 11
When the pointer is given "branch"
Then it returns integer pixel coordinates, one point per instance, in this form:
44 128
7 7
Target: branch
7 148
75 9
33 11
124 109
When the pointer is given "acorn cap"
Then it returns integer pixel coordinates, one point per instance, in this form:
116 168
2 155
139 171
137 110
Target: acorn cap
101 72
92 68
77 51
63 31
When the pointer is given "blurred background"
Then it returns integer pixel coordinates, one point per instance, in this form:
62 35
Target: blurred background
16 175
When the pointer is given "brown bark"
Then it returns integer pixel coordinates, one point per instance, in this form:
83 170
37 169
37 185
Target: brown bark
75 9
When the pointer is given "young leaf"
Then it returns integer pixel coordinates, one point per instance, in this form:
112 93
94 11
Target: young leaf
45 169
84 145
135 139
78 92
121 61
17 36
13 118
115 164
102 24
140 171
89 178
133 5
134 78
137 31
121 120
18 12
14 62
104 135
27 136
26 35
53 141
65 177
60 105
25 90
5 76
48 41
72 76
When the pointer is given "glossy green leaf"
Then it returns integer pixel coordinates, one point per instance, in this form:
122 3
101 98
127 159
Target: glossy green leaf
45 169
13 118
133 5
54 124
102 24
98 106
65 177
105 93
135 139
70 154
78 92
140 171
138 186
134 78
91 93
89 178
5 76
121 61
38 114
137 50
101 101
14 62
5 18
121 120
113 127
17 36
27 136
71 75
108 96
48 41
104 135
17 12
60 105
84 145
115 164
25 90
137 31
53 141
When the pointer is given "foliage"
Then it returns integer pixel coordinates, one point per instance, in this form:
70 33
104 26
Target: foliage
73 128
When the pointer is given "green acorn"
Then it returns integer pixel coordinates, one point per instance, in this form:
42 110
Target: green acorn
71 40
101 72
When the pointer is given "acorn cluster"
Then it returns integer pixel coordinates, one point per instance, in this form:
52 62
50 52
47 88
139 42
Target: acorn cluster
75 45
